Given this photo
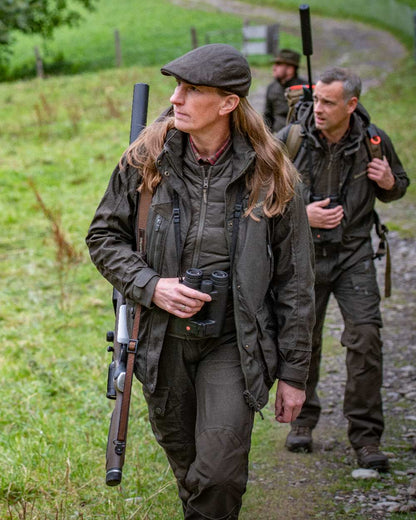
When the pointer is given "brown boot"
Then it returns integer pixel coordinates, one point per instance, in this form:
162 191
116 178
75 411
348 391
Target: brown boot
371 457
299 439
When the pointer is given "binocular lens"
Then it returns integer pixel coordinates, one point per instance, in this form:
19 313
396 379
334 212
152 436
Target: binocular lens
219 277
193 274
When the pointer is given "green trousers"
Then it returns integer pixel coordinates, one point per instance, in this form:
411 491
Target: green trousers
199 416
357 295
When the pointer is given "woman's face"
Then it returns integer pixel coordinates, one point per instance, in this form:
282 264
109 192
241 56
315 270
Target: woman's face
197 109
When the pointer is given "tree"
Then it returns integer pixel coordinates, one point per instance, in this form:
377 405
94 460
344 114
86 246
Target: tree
36 17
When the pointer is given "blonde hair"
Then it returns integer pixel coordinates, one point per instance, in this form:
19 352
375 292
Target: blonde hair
274 177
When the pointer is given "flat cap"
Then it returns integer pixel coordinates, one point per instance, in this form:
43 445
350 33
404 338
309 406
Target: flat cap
213 65
287 56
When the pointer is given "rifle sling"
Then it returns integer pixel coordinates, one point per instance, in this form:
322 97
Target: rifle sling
144 205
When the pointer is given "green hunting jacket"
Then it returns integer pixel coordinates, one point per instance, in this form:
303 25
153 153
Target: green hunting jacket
319 164
276 105
272 279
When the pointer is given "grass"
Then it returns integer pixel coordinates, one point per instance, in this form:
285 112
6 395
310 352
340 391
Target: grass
393 15
154 33
60 139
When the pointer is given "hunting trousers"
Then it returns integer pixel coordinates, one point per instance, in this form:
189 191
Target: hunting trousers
356 292
199 416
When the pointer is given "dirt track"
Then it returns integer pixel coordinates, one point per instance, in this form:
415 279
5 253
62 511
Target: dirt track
372 53
294 483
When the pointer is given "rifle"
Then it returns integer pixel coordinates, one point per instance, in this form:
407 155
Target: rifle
124 348
298 94
305 27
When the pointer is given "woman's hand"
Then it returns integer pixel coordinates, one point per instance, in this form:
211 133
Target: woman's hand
177 298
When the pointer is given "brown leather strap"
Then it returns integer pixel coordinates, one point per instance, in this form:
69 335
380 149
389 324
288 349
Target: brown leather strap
144 205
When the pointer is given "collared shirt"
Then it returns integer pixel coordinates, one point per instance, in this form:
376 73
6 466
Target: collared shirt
214 157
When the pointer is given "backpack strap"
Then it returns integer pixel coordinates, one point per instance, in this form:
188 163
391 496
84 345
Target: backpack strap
383 250
373 143
294 140
375 150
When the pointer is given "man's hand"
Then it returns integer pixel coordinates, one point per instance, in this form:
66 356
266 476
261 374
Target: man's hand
177 298
380 172
289 401
320 216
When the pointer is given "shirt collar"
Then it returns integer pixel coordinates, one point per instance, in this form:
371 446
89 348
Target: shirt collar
214 157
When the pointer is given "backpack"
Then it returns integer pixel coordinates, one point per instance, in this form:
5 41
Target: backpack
298 98
374 149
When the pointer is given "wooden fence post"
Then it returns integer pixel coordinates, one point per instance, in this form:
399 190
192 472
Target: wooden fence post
117 48
39 63
272 39
414 26
194 38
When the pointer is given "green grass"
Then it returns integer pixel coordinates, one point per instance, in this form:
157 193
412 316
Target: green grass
66 134
151 32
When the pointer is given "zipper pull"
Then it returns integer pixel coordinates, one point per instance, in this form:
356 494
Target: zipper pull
205 189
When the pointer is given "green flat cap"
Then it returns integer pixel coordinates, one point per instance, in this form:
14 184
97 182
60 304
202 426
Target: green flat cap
213 65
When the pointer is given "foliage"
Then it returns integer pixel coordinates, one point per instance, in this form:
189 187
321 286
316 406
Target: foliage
36 17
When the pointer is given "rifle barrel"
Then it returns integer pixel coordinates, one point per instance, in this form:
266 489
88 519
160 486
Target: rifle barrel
305 26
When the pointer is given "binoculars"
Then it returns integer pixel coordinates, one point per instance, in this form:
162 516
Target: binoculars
327 236
209 321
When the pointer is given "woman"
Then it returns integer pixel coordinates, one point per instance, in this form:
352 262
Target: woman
232 191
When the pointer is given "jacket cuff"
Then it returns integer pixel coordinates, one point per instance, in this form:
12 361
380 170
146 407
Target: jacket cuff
295 384
293 376
144 286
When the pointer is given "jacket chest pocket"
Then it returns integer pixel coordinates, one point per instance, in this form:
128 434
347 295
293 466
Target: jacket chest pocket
156 240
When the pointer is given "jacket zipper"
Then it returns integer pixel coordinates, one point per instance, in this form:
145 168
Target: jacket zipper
202 215
329 170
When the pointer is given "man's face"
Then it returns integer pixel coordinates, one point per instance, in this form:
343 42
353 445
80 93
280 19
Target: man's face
283 72
197 109
331 111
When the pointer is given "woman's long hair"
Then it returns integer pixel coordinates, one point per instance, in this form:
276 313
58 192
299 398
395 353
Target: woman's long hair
273 175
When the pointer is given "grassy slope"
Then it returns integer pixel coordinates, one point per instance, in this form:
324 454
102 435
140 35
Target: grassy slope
67 134
151 32
385 13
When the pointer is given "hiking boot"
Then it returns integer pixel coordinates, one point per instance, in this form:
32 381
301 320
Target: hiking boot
299 439
371 457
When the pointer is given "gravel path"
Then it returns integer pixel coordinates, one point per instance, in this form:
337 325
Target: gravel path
302 480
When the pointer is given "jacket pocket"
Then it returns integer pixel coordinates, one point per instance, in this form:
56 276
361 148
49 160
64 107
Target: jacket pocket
156 241
266 340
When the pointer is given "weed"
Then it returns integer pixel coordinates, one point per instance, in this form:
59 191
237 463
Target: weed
66 254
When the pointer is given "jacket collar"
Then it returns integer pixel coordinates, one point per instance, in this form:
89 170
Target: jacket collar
360 119
174 148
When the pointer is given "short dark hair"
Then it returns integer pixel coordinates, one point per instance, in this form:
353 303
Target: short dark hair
350 81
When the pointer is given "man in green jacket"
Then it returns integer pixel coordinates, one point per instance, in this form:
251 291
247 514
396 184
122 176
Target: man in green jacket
224 199
341 182
285 74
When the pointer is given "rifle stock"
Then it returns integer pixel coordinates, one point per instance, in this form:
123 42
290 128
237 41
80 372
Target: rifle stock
119 376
